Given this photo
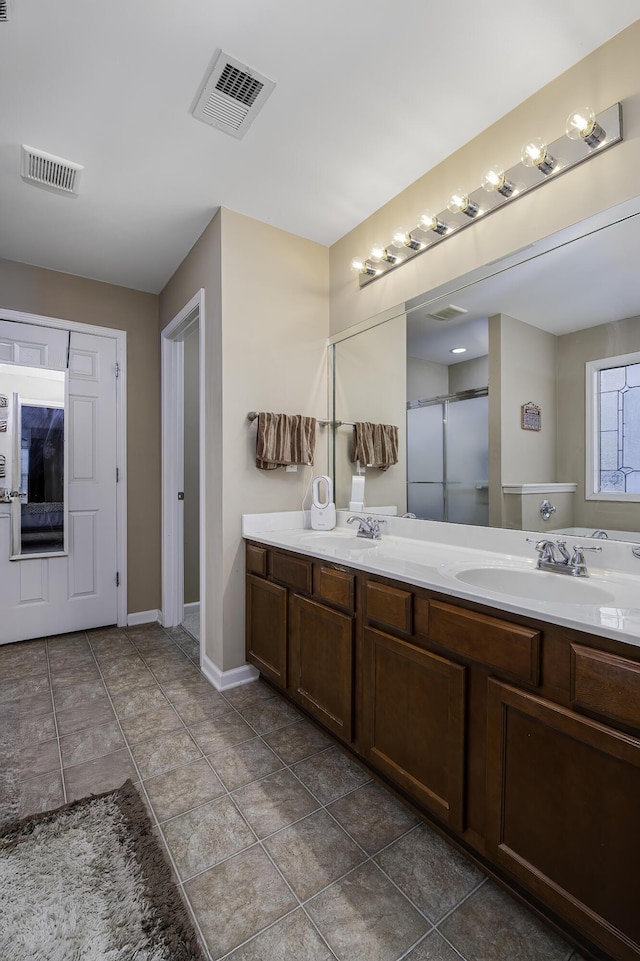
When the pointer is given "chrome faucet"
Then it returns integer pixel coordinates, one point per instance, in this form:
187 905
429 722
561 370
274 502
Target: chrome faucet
368 526
554 556
601 534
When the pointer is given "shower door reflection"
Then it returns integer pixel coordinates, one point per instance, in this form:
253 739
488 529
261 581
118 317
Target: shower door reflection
448 458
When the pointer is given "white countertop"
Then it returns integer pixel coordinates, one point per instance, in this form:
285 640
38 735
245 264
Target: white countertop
440 556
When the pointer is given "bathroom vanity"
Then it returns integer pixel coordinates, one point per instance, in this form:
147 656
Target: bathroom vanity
512 722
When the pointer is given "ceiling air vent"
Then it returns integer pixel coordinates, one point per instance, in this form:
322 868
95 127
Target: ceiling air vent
53 173
231 96
4 11
448 313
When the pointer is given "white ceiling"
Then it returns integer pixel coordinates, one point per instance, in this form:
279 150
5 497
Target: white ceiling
369 96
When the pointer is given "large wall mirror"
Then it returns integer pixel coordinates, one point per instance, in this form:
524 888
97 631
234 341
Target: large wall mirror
517 431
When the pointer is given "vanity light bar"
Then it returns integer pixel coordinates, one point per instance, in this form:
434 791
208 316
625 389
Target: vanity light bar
587 134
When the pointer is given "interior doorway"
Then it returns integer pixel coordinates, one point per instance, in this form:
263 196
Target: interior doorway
183 600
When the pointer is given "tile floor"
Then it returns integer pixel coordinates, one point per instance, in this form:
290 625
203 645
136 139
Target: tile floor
285 848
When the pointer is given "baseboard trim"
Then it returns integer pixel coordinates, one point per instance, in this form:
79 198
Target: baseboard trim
192 608
225 680
144 617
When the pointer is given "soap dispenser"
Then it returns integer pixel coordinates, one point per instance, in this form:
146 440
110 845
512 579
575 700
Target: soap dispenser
323 512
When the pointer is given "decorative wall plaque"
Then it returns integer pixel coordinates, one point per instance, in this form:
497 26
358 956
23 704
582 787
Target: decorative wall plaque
531 417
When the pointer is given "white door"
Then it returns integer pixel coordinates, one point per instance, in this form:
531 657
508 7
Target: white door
74 588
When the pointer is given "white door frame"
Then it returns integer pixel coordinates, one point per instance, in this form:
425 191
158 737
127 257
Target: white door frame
173 335
120 337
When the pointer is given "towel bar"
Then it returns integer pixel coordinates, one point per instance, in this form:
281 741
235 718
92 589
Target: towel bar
254 414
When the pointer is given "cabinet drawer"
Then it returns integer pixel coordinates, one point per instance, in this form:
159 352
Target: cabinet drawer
294 571
257 560
336 587
507 648
389 606
605 684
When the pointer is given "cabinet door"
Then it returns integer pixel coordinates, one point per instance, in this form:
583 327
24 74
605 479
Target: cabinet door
266 628
563 797
415 710
321 663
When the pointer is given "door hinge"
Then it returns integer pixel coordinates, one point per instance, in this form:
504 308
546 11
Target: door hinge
117 578
117 475
180 495
117 369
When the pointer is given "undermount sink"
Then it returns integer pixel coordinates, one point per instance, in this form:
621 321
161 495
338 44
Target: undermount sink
336 540
536 585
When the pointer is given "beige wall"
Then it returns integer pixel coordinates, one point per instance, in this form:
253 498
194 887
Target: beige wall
425 379
574 350
191 469
53 294
266 324
371 386
469 375
608 75
275 323
528 374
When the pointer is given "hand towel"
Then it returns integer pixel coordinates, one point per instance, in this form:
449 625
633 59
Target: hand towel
375 445
285 439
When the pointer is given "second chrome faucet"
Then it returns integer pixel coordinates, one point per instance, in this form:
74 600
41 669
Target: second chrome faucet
554 556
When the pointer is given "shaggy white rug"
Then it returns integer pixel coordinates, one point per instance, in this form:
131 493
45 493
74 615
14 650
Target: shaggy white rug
89 882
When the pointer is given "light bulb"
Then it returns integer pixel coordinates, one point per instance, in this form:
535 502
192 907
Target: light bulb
429 221
402 238
494 179
535 154
582 125
378 253
458 350
459 203
360 266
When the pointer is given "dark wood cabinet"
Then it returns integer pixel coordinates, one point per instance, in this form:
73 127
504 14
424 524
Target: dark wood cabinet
518 737
266 628
414 722
321 659
562 795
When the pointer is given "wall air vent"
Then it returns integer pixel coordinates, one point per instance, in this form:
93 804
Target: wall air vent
448 313
4 11
53 173
231 96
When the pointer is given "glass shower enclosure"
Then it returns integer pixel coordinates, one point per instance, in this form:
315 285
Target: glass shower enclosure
448 458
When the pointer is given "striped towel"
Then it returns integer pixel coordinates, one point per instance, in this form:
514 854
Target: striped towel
375 445
285 439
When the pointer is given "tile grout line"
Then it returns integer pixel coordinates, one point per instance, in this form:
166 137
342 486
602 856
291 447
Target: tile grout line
55 723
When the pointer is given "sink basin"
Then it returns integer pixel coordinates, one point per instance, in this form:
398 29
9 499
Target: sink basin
536 585
336 541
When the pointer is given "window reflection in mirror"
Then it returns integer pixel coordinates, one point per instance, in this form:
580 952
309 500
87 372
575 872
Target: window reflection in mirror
33 446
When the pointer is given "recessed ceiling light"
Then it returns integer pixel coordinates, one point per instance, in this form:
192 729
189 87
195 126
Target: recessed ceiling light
458 350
